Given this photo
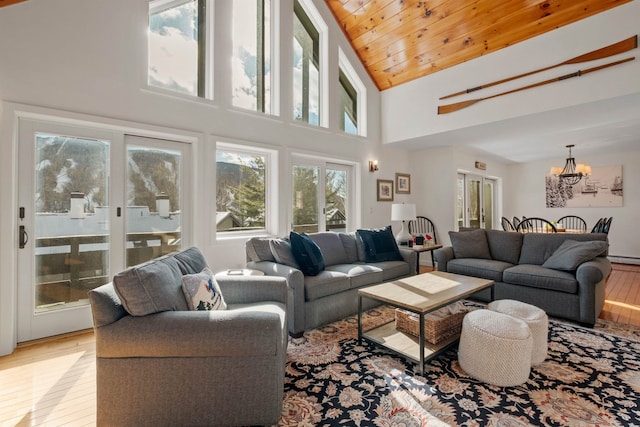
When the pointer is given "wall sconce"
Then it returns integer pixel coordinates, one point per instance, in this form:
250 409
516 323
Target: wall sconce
373 165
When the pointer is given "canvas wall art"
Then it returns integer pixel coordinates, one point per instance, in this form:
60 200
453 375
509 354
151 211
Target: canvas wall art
603 188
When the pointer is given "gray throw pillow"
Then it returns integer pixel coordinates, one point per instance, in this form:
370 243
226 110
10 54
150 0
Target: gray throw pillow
470 244
151 287
571 253
281 250
258 249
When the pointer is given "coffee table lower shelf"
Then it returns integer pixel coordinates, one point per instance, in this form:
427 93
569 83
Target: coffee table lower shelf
405 344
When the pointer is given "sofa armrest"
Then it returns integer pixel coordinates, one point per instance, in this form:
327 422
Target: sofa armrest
251 289
295 284
224 333
591 277
443 256
411 257
591 272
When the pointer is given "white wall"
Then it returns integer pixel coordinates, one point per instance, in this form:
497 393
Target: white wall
435 175
86 60
525 195
410 110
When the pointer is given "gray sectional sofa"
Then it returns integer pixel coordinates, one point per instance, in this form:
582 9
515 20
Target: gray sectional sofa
160 364
331 294
562 273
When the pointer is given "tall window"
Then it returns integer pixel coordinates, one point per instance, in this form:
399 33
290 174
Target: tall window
353 98
306 68
176 45
251 61
242 175
348 105
321 195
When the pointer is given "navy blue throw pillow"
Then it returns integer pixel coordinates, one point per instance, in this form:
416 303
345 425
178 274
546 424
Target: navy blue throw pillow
379 245
307 254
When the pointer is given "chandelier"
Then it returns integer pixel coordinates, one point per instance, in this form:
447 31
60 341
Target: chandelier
571 173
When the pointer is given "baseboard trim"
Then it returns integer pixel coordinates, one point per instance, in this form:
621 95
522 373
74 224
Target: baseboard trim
624 259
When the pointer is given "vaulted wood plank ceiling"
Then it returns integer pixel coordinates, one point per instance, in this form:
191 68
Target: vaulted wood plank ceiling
402 40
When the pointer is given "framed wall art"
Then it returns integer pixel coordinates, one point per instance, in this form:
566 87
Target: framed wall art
403 183
385 190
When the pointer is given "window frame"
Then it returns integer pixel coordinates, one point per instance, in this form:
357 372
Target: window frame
313 23
322 163
271 39
270 186
346 69
205 68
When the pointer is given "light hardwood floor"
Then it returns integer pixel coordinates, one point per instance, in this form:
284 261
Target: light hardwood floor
51 382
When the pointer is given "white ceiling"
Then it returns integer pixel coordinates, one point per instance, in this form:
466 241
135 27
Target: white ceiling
595 128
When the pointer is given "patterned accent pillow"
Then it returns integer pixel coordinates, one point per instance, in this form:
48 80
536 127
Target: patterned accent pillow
202 292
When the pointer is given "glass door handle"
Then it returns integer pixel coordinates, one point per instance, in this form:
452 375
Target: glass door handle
23 237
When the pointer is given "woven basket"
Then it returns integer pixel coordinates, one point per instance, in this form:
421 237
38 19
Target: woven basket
438 325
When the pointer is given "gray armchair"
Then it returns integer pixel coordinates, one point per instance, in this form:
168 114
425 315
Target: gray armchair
181 367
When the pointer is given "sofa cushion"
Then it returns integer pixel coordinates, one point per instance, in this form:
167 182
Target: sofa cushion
379 245
307 254
359 274
470 244
258 249
570 254
537 247
331 246
350 245
504 245
393 269
536 276
281 250
202 292
155 286
325 283
484 268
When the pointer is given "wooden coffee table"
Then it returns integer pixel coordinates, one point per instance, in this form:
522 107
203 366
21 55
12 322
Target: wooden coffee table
420 294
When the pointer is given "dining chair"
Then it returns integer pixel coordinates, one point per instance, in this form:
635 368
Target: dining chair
573 222
423 225
515 222
536 225
506 224
597 228
607 225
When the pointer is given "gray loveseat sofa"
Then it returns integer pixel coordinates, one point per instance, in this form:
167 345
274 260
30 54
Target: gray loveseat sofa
562 273
176 367
332 294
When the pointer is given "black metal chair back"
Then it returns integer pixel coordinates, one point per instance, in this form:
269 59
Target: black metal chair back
506 224
573 222
607 225
423 225
515 222
597 228
536 225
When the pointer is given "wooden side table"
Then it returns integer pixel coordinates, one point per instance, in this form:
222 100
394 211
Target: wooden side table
424 248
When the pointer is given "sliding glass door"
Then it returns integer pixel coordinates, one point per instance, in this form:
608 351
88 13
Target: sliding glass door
91 202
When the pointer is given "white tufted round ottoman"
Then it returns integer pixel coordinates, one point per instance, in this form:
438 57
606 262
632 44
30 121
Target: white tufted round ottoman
534 317
495 348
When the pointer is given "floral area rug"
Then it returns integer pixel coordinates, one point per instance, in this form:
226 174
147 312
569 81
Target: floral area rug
589 379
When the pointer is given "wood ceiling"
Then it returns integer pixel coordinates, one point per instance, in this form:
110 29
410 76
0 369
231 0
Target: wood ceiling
398 41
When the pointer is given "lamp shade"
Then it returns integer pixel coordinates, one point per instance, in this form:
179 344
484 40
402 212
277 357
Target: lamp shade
403 212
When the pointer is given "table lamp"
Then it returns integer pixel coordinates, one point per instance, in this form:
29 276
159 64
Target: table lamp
403 212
